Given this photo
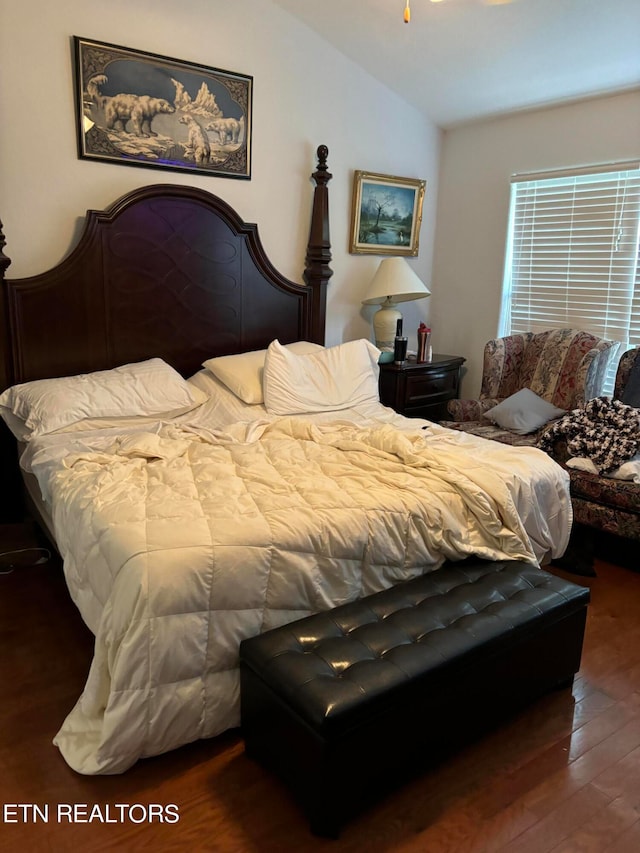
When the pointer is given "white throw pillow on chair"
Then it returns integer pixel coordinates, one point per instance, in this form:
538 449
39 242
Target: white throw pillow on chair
523 412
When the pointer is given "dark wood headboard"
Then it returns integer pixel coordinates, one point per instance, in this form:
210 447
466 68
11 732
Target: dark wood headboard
168 271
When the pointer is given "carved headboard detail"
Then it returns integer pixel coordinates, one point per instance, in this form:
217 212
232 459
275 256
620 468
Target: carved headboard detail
168 271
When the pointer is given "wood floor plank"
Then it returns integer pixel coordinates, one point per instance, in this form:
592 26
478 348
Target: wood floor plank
622 778
628 842
564 784
559 823
598 728
598 833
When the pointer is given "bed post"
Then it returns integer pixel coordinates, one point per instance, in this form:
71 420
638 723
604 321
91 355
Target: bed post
317 270
11 506
5 350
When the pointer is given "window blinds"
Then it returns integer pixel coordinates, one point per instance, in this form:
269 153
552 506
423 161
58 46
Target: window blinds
572 254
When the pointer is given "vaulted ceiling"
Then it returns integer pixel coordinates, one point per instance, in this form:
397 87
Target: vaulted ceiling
460 60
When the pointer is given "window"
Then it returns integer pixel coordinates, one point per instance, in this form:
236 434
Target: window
572 255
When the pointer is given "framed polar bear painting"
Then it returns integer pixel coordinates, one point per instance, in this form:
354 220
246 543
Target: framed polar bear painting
141 109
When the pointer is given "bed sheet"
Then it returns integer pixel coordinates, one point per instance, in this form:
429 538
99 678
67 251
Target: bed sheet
181 538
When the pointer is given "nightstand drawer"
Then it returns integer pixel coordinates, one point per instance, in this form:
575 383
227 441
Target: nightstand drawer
421 390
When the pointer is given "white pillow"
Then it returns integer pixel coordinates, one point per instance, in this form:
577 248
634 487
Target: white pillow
145 388
242 373
22 433
334 378
629 470
523 412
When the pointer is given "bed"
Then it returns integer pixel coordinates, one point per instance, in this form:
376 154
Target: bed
279 486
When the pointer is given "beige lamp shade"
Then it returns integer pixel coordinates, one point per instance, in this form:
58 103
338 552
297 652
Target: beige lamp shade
393 282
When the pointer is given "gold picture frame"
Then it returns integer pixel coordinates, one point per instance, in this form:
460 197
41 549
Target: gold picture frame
386 214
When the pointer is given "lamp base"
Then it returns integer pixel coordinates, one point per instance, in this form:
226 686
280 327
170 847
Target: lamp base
385 322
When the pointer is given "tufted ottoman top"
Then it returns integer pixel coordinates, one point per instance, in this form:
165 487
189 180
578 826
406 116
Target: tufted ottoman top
353 658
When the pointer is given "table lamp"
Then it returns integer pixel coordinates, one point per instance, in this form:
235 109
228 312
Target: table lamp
393 282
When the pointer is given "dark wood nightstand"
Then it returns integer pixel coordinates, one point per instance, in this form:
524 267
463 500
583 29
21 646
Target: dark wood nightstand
421 390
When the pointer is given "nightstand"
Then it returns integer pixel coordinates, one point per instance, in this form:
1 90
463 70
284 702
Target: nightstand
421 390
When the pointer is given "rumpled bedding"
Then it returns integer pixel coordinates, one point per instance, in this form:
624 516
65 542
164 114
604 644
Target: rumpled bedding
179 542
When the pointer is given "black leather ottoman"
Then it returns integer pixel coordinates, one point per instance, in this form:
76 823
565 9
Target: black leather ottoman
344 703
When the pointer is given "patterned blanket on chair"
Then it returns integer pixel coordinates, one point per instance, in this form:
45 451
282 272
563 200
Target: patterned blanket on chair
606 431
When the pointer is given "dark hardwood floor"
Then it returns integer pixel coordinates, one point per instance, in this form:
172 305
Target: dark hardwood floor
563 776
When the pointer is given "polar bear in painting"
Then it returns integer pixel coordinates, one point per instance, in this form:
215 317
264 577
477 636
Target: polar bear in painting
198 140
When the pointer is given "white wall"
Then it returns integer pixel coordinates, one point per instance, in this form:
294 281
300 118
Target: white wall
476 164
305 94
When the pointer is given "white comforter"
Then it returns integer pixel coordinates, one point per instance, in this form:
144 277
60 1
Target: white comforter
180 541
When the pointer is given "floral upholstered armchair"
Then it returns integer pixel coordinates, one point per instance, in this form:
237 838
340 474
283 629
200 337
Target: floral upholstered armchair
611 502
553 372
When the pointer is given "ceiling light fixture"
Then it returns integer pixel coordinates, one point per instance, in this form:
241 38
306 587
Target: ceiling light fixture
407 10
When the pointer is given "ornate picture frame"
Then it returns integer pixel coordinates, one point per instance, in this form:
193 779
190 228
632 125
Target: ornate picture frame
142 109
386 214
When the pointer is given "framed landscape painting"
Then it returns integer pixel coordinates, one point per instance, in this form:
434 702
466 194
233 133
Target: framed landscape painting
386 214
141 109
